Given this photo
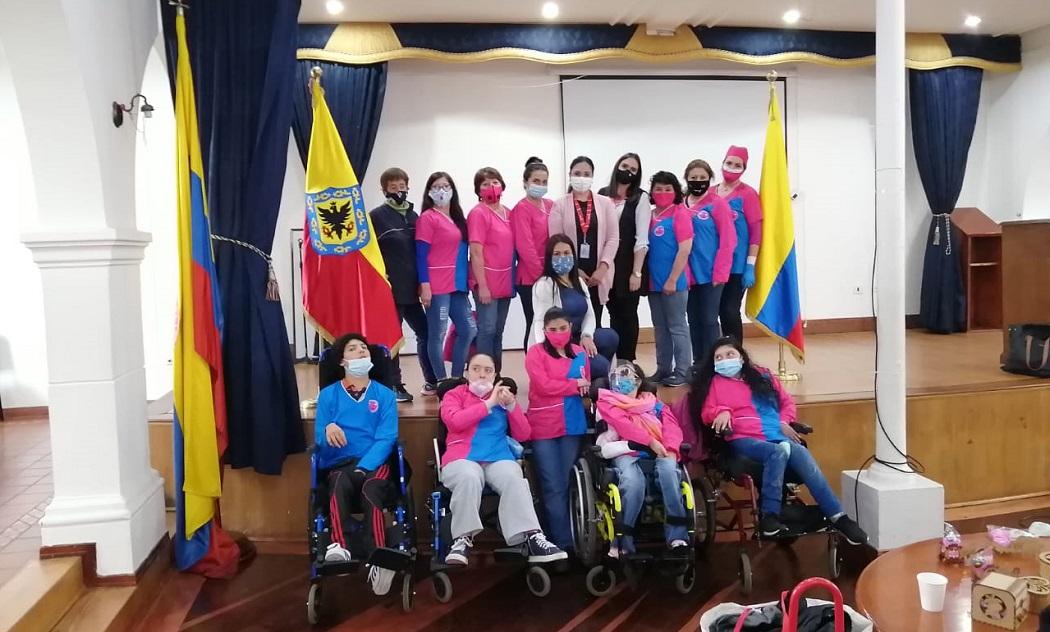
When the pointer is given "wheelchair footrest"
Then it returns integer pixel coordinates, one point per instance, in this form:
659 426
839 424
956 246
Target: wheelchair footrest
636 557
338 568
510 554
393 559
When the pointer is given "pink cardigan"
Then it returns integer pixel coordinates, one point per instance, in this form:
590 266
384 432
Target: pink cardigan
563 220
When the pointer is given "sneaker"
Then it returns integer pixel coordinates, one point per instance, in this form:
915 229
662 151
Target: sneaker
614 552
849 528
678 549
457 553
336 553
429 390
401 395
381 578
542 550
770 525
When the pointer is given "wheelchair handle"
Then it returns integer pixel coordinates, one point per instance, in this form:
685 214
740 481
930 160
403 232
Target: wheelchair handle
801 428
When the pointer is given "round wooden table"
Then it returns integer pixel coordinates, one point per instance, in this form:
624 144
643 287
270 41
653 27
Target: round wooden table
888 593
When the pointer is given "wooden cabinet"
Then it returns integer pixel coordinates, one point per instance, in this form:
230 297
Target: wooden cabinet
980 263
1026 273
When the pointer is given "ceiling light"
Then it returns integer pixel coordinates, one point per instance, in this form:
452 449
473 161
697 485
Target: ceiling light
791 16
550 10
972 21
335 7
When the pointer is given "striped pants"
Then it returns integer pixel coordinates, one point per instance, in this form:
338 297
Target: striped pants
344 487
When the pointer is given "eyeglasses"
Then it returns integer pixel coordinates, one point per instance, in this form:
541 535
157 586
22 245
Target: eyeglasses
622 372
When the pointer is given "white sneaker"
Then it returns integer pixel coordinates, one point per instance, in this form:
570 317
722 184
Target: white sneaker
458 552
381 579
336 553
614 552
678 543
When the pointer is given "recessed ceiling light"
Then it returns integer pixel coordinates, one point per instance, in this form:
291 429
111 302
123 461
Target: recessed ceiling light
791 16
972 21
550 10
335 7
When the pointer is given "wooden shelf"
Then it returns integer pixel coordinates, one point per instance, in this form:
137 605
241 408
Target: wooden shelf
980 261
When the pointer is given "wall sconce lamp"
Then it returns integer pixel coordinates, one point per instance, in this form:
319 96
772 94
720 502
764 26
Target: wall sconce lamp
119 109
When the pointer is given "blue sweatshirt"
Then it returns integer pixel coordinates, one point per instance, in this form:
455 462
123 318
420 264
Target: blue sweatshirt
369 423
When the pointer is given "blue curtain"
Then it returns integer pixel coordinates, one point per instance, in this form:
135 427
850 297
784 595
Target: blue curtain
243 57
943 113
355 97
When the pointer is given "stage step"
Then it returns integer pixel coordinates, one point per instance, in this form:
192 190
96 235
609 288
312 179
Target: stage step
41 594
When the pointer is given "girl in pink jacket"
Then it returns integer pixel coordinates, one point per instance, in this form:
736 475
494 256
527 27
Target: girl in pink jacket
559 374
641 426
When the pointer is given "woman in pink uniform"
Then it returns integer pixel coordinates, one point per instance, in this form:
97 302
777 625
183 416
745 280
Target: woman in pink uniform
491 261
441 261
529 222
746 209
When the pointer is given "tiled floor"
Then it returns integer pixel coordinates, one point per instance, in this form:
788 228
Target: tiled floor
25 490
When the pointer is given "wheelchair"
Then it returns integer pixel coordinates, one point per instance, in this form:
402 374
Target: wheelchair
537 579
595 514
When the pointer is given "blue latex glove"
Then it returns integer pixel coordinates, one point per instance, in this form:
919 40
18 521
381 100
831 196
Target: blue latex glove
749 276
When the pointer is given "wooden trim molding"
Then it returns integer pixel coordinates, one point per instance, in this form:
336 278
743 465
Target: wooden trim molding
812 327
87 554
25 413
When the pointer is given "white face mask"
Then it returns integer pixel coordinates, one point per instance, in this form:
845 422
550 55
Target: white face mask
580 184
441 197
481 388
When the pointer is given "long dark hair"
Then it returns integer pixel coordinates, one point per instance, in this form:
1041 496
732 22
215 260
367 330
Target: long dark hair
666 177
556 313
757 379
635 185
455 211
548 262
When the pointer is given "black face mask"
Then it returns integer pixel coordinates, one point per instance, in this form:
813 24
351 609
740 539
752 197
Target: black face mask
624 176
698 187
397 197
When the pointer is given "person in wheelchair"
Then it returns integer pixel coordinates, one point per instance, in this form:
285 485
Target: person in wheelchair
479 452
746 405
356 429
640 426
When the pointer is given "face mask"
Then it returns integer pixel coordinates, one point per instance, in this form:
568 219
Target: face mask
730 367
397 197
358 367
562 263
731 175
492 193
558 338
664 198
624 176
536 191
481 388
624 385
699 187
580 184
441 197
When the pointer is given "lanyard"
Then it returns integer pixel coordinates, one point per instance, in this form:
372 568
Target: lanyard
585 222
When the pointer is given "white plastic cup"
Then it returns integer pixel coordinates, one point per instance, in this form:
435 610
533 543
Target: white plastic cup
932 587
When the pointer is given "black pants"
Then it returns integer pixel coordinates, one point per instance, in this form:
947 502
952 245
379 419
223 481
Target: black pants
623 318
417 320
729 308
344 487
525 295
596 303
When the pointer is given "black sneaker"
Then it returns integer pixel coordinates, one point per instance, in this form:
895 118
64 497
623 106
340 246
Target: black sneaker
849 528
770 526
542 550
674 381
429 390
402 396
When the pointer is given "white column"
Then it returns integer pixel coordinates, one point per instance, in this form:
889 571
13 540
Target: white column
895 507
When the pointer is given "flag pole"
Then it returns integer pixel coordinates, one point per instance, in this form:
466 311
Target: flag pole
782 370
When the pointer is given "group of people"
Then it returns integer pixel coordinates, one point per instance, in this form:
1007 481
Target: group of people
356 429
691 248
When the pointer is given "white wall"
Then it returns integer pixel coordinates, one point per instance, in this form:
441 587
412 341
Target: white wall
23 361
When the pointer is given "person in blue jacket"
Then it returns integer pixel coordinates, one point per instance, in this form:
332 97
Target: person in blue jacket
356 429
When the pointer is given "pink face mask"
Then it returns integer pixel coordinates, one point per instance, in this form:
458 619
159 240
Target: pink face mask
559 338
663 198
491 194
731 176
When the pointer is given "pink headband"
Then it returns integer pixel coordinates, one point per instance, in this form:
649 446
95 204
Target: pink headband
739 152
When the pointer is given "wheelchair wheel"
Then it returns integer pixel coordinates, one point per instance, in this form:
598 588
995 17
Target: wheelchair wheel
442 586
834 564
313 604
538 581
600 580
746 578
407 592
582 512
684 583
704 512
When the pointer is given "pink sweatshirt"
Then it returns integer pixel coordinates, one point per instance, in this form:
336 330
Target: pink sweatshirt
555 405
639 419
530 224
734 395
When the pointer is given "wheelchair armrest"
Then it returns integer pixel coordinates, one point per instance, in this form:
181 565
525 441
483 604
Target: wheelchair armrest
685 448
801 428
595 449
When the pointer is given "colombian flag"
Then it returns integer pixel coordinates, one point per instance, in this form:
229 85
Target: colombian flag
345 288
773 302
200 402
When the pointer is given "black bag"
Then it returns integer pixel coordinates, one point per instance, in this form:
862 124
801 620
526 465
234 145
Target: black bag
1029 350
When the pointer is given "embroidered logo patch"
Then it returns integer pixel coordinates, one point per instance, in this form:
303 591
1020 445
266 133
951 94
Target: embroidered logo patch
704 215
659 231
373 405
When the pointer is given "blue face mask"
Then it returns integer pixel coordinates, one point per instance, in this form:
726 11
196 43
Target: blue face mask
358 367
730 367
562 264
536 191
624 385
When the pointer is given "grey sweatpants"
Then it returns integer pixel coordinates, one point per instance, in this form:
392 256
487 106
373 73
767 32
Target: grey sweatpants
466 479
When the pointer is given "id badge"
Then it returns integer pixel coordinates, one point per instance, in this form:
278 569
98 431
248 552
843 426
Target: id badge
585 250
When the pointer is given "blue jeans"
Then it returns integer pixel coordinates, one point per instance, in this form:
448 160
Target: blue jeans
672 333
417 320
632 486
704 302
492 319
775 459
553 459
442 308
